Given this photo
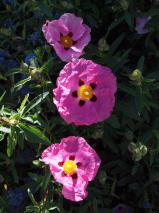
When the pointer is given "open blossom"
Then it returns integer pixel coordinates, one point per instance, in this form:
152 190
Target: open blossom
72 163
85 92
68 36
140 24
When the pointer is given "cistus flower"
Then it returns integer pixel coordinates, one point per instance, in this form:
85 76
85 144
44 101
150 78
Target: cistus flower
140 24
85 92
121 208
72 163
67 35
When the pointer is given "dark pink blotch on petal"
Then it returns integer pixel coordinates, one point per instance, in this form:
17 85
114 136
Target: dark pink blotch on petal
66 25
92 111
76 147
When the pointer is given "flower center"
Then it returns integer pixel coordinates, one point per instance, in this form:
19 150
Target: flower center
66 41
85 93
69 167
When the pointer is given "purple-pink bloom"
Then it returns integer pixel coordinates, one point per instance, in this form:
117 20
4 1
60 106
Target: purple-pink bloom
85 92
140 24
68 36
121 208
72 163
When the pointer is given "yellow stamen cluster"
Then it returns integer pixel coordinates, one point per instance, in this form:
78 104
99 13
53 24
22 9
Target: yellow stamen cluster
69 167
85 93
66 41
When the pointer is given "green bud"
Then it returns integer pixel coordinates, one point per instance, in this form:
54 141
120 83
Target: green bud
129 135
102 177
124 4
35 73
97 134
102 45
136 75
24 68
143 150
131 147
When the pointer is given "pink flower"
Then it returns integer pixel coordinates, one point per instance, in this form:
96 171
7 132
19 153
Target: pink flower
72 163
140 23
85 92
68 36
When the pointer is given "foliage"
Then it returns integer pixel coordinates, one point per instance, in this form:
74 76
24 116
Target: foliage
29 121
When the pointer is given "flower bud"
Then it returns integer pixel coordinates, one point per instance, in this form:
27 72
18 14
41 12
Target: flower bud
143 150
131 147
24 68
35 73
129 135
124 4
97 134
136 75
102 45
13 122
102 177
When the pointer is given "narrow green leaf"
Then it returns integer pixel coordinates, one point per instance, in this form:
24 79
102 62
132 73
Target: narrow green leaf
128 110
91 20
115 44
84 208
138 99
140 63
32 134
45 9
47 65
22 82
45 183
37 100
113 120
116 23
12 71
127 17
14 172
5 129
11 141
32 197
2 202
24 101
2 96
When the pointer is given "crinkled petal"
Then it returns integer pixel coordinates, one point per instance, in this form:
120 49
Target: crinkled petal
67 55
51 34
78 191
83 40
74 25
92 111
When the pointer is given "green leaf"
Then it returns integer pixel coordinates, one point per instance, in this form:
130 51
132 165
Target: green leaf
38 163
24 101
149 13
84 208
22 82
37 100
11 141
2 96
128 18
32 197
138 99
91 21
2 202
140 63
128 110
135 168
12 71
45 183
14 172
47 65
115 44
5 129
45 9
116 23
32 134
125 180
113 120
